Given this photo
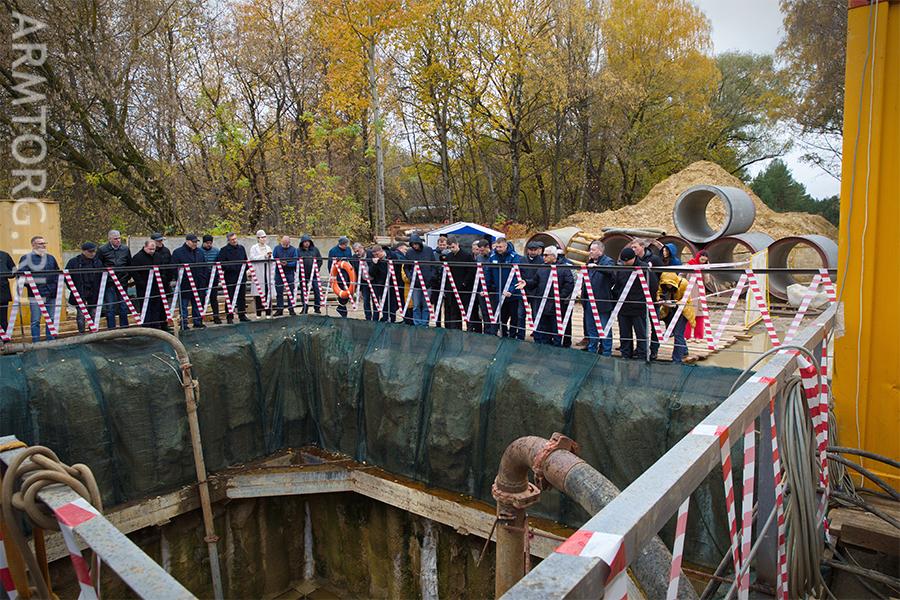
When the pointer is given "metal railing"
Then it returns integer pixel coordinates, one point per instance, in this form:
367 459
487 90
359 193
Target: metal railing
645 506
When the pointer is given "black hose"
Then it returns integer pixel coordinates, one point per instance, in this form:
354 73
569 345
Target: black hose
868 474
864 454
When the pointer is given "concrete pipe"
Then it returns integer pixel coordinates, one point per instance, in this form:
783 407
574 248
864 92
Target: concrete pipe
556 237
691 219
824 249
731 248
615 243
684 249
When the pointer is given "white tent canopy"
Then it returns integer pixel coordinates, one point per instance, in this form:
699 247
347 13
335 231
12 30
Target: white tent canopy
462 228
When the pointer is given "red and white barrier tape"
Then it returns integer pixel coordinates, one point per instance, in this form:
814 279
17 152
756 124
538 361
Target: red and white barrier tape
781 561
678 549
364 273
255 279
459 302
194 292
6 579
417 272
481 284
396 285
51 326
121 289
529 316
685 299
79 302
609 548
342 280
651 306
163 295
762 306
747 507
284 283
721 434
713 339
828 285
557 301
70 516
706 334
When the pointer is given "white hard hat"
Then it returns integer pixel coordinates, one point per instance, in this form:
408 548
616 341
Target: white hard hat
261 233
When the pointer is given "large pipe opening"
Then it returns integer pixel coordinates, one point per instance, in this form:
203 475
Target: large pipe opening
735 248
799 252
706 212
615 243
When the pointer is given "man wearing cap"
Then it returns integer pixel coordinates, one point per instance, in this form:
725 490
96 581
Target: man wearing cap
163 258
287 255
340 252
190 256
633 314
233 257
547 331
115 254
211 254
86 269
529 267
425 256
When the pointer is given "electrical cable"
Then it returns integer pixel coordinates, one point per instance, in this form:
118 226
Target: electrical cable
868 475
865 453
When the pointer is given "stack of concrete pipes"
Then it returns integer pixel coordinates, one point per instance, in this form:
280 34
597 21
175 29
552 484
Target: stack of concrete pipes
733 236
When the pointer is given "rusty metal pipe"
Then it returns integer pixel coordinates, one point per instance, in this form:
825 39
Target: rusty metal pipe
577 479
191 395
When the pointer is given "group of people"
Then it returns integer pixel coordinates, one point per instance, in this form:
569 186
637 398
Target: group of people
492 304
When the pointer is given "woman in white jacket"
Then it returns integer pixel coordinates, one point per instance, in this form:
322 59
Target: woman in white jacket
259 254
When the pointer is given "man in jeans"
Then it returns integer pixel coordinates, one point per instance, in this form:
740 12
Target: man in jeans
115 254
602 281
37 262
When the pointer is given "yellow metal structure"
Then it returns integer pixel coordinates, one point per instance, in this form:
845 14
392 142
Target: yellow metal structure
20 221
867 355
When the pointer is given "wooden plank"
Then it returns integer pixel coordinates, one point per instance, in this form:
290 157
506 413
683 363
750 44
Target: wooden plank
865 530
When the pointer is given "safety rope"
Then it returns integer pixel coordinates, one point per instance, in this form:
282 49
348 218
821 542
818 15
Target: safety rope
30 471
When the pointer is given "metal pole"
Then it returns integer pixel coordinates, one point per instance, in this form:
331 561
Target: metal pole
191 395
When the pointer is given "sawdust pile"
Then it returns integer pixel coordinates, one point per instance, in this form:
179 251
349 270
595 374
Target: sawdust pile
655 210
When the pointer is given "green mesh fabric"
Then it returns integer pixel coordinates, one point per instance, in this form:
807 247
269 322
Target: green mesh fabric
436 405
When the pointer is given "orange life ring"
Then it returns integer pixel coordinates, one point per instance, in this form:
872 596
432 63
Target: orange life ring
350 272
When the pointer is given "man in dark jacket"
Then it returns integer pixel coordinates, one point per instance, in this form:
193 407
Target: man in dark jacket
190 255
211 253
502 285
233 257
377 269
633 314
529 265
601 281
115 254
547 331
418 251
287 255
340 252
7 272
87 283
462 268
146 258
480 321
37 262
648 254
310 263
360 257
394 282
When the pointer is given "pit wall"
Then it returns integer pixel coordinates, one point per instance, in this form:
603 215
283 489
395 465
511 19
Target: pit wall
435 405
360 548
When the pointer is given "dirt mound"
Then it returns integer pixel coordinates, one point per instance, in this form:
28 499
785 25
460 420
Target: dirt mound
655 210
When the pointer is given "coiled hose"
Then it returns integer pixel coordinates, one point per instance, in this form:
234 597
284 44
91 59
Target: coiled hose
44 469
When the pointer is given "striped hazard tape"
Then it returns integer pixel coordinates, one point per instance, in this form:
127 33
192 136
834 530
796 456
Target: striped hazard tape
70 516
6 580
79 302
779 489
747 506
609 548
678 549
651 306
48 319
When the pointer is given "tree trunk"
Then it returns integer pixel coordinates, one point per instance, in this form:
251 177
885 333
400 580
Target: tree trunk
380 219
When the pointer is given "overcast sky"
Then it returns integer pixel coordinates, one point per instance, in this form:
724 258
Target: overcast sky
755 26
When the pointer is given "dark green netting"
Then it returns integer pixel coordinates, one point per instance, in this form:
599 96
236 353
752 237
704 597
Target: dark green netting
435 405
